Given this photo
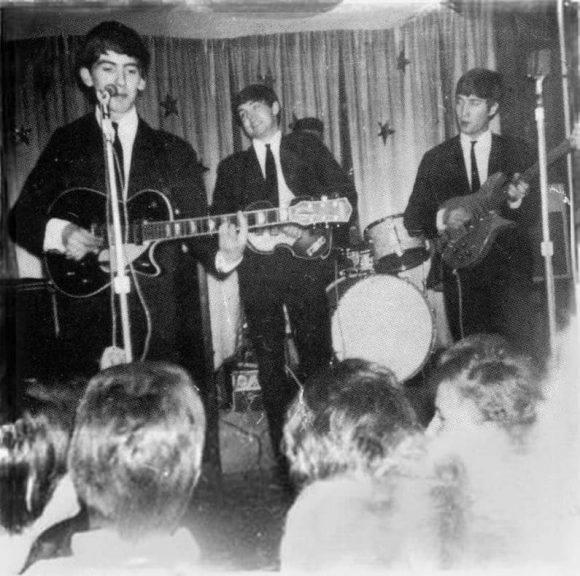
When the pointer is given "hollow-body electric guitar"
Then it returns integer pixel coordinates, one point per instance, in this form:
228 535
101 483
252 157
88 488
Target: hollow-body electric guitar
301 228
468 245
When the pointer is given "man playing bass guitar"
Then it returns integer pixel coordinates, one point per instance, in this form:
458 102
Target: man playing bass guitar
492 295
279 168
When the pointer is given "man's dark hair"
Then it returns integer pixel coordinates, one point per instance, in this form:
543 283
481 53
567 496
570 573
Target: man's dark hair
114 36
348 418
482 83
308 124
253 93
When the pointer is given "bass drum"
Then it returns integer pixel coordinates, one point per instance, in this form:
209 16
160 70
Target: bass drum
382 319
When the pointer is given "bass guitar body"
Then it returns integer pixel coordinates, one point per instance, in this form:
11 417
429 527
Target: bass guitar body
467 247
307 243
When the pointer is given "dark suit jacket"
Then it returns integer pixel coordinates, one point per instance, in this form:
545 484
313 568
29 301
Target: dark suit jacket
442 175
74 158
309 170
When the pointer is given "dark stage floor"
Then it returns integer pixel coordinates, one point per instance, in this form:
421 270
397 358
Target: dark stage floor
241 528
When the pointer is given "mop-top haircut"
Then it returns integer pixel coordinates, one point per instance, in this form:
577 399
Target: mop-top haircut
482 83
253 93
136 451
116 37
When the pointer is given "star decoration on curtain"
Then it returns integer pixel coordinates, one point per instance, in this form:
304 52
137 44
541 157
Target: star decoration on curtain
402 61
170 105
268 79
385 131
21 135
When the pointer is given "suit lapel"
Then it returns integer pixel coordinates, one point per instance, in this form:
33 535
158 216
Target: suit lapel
147 162
461 169
496 155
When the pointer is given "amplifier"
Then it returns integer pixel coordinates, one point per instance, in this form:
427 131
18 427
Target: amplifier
246 391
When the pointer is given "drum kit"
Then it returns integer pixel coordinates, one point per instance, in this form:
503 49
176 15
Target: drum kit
378 313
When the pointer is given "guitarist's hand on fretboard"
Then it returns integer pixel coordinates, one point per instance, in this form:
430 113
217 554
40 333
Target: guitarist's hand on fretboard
233 240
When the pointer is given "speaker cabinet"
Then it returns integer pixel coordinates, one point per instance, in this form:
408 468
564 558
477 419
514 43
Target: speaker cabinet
559 235
30 326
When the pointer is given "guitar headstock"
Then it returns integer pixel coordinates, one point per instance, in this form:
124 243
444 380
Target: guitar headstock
327 211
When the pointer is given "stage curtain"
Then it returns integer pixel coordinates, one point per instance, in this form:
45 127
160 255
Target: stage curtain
349 79
405 77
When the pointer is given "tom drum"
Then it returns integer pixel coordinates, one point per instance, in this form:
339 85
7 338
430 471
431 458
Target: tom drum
392 247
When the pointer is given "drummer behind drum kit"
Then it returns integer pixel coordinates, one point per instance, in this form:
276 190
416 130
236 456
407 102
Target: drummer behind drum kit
377 314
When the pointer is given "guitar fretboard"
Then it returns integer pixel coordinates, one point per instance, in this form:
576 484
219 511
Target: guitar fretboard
206 225
138 232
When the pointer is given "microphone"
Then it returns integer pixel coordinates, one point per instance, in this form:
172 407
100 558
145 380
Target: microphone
539 63
109 89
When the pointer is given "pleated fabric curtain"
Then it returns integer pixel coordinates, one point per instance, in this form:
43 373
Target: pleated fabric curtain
352 80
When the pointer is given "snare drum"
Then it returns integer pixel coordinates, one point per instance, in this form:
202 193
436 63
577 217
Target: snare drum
392 247
384 319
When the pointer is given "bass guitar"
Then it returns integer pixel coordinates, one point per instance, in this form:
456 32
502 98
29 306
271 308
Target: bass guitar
468 245
301 228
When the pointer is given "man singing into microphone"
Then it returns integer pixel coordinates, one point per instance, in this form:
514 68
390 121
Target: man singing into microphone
164 310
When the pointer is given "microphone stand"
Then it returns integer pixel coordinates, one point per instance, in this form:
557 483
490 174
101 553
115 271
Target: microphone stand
121 283
547 247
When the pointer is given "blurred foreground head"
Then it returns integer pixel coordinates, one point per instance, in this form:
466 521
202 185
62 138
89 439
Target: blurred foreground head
347 419
136 451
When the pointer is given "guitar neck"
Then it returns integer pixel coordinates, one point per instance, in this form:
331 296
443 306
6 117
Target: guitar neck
561 150
205 225
495 198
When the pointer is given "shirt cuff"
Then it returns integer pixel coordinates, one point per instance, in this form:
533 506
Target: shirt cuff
53 235
513 204
439 220
223 266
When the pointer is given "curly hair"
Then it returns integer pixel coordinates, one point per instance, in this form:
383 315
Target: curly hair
348 418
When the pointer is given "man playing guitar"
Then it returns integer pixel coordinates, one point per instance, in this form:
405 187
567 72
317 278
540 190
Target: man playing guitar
494 294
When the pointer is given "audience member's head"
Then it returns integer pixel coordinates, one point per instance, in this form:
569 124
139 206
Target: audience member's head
347 419
309 125
33 453
135 454
482 381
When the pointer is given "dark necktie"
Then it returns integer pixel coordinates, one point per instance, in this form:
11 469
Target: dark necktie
120 169
475 185
271 176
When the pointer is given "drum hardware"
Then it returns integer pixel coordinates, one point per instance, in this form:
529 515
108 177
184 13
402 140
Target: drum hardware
392 248
355 261
383 319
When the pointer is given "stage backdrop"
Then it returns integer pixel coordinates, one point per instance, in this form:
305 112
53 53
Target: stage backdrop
385 97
